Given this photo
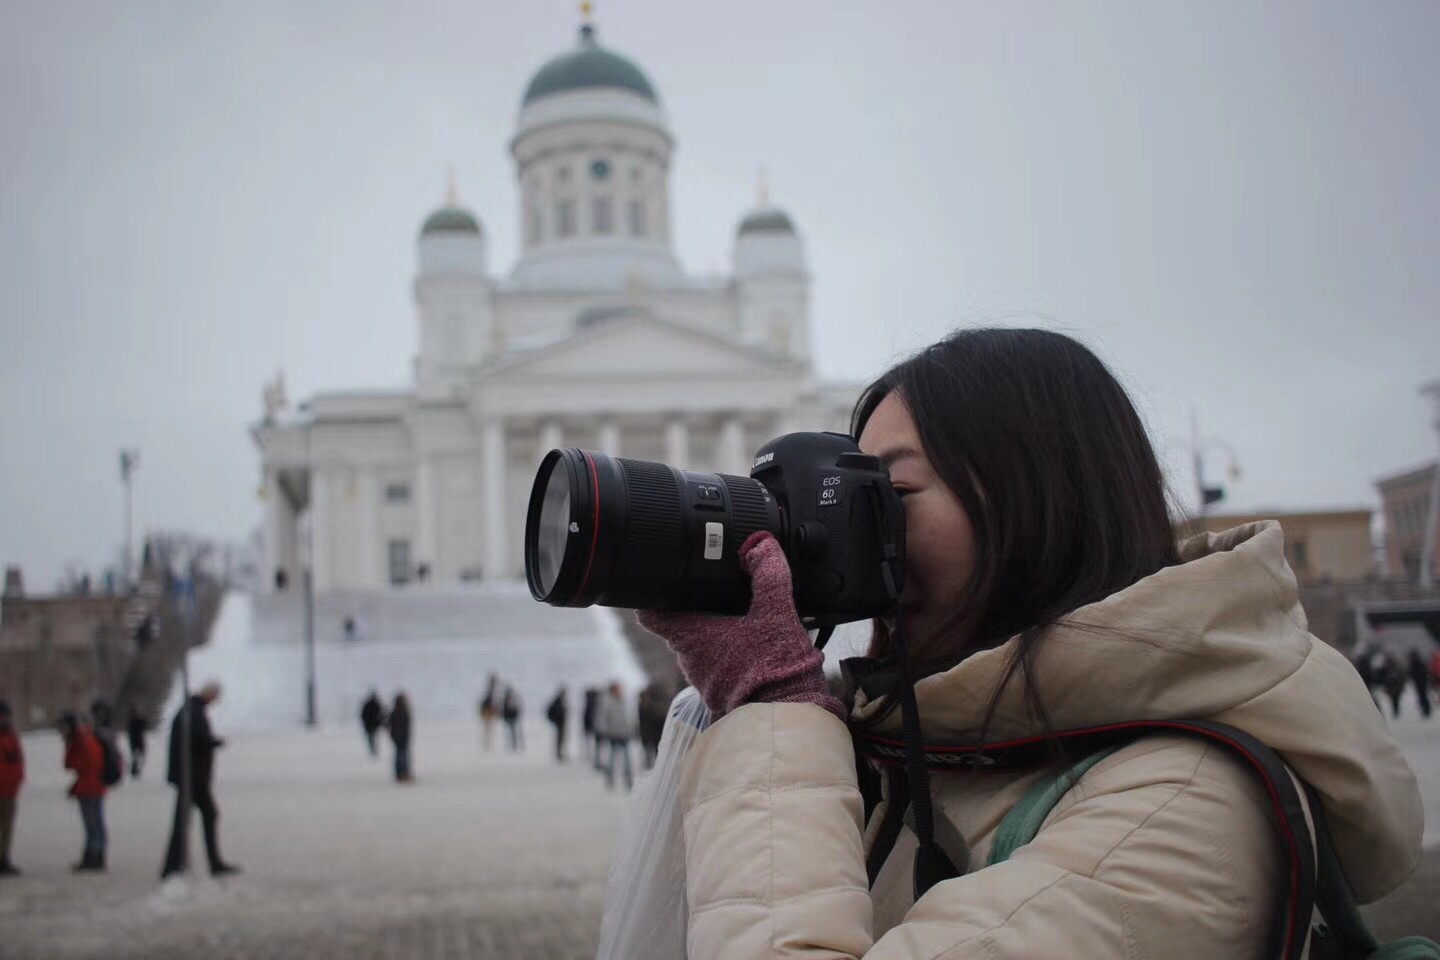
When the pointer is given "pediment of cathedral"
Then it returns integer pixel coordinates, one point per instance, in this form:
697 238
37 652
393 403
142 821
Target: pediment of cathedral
640 348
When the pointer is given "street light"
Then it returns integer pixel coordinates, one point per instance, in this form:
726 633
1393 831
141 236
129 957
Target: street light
1205 496
129 460
308 584
1432 518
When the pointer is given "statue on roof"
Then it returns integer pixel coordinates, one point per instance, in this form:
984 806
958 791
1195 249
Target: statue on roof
272 396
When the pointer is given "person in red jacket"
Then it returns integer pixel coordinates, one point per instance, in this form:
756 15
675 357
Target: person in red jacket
12 774
84 755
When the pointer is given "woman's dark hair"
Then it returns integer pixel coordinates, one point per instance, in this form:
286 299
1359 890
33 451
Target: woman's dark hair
1045 452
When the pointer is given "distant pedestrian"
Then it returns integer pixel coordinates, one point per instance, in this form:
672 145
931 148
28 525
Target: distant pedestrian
1387 671
372 718
613 723
135 729
489 709
191 719
1420 676
352 630
557 713
84 756
102 724
651 710
1365 664
510 708
400 736
12 775
592 735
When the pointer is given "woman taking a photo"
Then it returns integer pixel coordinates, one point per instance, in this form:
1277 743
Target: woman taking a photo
1044 591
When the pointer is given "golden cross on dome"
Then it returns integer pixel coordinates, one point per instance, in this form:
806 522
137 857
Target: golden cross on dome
762 190
587 9
450 195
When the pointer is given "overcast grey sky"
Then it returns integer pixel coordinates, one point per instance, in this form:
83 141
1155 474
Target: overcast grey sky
1237 204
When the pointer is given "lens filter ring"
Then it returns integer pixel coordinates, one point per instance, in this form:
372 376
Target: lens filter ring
562 527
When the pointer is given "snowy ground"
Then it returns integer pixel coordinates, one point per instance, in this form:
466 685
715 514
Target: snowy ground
487 855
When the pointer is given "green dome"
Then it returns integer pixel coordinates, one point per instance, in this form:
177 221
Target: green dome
450 220
588 67
768 220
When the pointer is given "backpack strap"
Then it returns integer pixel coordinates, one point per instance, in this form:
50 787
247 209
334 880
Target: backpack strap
1285 802
1023 821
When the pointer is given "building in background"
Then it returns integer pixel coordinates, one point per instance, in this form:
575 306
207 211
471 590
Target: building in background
1405 505
60 653
596 338
1322 546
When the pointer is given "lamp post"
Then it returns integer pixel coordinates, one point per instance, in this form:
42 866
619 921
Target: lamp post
1432 515
309 582
129 460
1205 496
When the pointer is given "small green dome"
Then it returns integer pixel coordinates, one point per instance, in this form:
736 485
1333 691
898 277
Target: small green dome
589 66
450 220
767 220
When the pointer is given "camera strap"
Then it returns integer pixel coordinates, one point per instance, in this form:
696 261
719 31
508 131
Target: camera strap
932 865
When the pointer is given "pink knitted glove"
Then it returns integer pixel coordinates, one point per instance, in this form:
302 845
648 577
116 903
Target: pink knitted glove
763 657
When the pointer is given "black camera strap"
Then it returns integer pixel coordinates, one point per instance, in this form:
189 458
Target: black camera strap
932 865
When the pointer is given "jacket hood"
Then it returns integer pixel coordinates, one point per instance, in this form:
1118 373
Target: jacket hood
1221 636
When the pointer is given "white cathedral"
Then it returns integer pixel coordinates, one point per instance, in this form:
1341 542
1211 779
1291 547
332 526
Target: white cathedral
597 338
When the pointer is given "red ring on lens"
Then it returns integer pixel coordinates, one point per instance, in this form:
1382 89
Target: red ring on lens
594 523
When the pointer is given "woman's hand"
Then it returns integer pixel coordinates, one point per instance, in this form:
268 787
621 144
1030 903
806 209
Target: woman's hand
763 657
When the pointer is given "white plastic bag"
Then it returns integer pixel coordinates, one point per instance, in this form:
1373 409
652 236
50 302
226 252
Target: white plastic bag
645 913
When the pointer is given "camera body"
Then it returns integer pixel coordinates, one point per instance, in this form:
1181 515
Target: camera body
842 525
643 535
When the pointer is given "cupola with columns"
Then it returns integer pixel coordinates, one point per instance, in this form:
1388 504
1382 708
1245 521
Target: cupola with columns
452 299
772 280
592 156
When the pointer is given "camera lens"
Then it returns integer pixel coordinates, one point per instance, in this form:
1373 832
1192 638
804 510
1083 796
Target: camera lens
632 533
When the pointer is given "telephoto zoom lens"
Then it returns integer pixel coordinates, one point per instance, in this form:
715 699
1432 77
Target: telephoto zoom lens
632 533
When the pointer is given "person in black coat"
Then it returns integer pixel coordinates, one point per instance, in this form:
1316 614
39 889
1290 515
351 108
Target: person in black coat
203 744
400 736
135 729
652 709
557 713
587 721
1420 676
1392 679
372 718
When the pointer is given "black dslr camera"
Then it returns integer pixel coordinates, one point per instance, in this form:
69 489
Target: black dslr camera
632 533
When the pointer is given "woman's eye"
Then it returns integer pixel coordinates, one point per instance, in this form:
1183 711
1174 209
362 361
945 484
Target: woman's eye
903 493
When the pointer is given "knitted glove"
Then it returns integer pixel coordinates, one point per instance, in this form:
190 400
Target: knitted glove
763 657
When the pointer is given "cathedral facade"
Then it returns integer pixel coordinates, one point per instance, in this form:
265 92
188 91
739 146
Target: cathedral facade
596 338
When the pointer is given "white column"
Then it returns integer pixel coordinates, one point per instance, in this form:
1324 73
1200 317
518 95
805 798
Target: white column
492 480
733 455
551 437
677 443
426 551
319 527
275 508
610 438
367 502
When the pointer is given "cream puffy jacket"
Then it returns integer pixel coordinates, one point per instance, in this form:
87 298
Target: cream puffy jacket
1163 849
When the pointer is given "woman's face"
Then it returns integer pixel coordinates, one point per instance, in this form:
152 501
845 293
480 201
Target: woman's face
939 541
